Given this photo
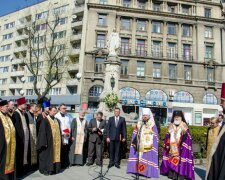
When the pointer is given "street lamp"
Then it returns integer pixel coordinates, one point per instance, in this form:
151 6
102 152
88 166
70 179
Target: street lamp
112 80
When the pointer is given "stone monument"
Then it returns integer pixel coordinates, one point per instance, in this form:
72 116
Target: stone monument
112 70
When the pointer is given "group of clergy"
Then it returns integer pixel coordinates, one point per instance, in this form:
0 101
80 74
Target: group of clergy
49 139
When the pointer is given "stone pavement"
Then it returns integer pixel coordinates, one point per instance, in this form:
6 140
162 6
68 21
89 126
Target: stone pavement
89 173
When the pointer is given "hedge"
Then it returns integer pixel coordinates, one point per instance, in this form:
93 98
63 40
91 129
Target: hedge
197 133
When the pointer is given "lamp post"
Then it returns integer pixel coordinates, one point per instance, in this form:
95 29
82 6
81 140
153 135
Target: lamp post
112 80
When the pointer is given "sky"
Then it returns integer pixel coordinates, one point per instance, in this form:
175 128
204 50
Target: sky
7 6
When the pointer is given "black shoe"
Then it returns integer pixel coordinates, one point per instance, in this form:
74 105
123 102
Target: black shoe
117 165
110 165
89 164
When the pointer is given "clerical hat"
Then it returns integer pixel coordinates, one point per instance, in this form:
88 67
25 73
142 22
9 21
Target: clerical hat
178 113
3 102
223 92
46 104
21 101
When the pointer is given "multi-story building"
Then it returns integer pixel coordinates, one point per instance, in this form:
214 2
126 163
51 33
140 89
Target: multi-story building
172 55
15 79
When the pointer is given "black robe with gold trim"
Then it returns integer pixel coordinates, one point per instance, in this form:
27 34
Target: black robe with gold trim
3 153
21 169
45 147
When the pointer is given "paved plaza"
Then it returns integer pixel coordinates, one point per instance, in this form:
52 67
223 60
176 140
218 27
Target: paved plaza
89 173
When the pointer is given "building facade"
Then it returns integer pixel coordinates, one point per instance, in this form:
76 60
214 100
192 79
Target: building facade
15 78
172 55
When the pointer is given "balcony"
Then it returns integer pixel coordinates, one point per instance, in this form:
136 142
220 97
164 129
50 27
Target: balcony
78 9
125 51
157 54
187 58
141 52
72 82
20 49
77 23
17 73
73 67
74 51
76 37
21 37
172 56
16 86
17 61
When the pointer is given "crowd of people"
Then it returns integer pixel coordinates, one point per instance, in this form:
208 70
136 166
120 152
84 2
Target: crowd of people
48 139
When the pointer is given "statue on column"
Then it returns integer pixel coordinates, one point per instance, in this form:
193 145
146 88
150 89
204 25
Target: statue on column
113 43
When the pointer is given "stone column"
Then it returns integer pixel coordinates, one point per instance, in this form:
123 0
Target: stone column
194 45
164 39
179 50
133 41
149 37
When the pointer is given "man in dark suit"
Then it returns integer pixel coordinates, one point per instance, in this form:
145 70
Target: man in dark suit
96 129
116 132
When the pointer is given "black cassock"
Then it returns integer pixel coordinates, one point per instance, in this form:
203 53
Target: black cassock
217 165
3 150
46 165
21 169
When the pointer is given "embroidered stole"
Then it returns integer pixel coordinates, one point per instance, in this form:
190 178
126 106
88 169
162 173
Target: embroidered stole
10 138
33 138
80 136
55 129
26 136
146 133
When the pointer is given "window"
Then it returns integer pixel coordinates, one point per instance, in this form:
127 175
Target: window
102 19
186 31
2 93
187 72
9 25
156 49
72 89
141 25
210 74
171 51
171 8
171 29
172 71
40 64
6 47
99 65
140 68
129 93
4 69
187 52
185 10
4 58
29 92
30 79
156 28
39 39
141 5
124 67
42 15
58 48
126 3
156 7
207 12
59 35
208 32
62 21
55 91
95 91
101 40
156 70
156 95
125 24
125 49
3 81
41 27
39 52
7 36
208 52
183 96
210 99
140 49
103 1
60 10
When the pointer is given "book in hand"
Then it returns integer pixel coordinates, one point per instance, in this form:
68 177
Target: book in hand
66 131
99 131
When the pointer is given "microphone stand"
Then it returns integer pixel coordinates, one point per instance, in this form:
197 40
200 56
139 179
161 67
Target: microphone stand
138 149
101 176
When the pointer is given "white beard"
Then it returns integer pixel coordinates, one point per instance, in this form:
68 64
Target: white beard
177 122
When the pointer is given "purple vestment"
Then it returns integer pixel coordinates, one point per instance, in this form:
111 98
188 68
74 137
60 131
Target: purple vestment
148 163
185 164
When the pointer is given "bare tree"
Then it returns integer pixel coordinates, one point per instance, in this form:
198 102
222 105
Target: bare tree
46 55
